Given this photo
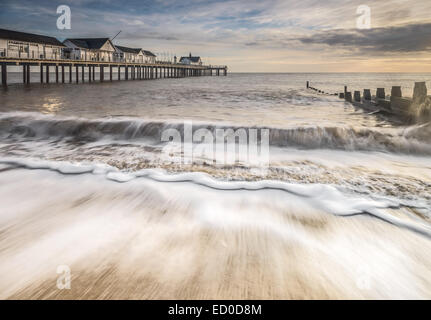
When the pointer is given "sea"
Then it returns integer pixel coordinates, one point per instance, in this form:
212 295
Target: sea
94 205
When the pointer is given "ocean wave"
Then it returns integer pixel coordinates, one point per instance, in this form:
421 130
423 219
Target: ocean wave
323 196
414 140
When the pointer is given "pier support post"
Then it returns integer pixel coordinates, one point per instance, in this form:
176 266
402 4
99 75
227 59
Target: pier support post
94 72
62 74
102 75
56 73
4 74
28 73
70 73
119 73
367 94
110 73
83 73
127 72
89 73
47 73
24 73
77 74
41 73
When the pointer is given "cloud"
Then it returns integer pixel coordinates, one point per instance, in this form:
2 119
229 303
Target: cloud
397 39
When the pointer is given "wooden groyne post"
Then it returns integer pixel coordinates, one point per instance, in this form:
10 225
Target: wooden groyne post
348 96
367 94
357 96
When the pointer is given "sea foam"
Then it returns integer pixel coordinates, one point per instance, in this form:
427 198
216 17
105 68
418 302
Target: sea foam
325 197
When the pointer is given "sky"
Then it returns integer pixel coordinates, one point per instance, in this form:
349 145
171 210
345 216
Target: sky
249 35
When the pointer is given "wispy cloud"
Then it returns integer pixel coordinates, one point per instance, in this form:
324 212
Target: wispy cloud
399 39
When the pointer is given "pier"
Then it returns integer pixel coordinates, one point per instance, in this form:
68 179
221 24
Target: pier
76 70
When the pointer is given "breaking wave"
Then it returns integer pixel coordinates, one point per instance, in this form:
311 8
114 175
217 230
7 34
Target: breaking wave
413 140
326 197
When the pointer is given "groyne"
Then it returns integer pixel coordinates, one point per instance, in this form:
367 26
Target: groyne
414 109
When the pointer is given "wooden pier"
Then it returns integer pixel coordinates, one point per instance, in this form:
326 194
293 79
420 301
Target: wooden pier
132 71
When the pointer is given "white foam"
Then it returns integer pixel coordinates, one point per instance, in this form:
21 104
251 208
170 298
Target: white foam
324 197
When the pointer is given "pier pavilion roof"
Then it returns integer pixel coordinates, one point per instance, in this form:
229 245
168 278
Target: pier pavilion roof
89 43
148 53
129 50
191 59
29 37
